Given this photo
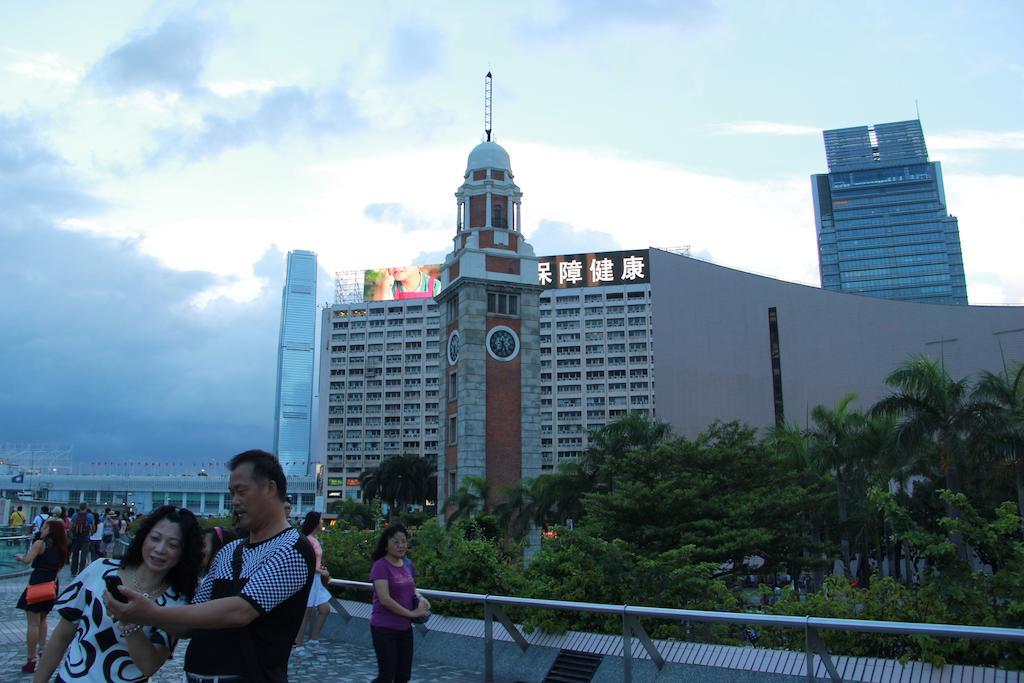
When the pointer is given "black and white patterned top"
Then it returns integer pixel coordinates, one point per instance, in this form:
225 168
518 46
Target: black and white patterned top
274 576
98 652
275 570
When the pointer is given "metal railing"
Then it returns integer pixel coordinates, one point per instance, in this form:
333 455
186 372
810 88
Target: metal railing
813 645
9 547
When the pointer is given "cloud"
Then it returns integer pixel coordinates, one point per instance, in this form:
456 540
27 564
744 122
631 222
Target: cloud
762 128
34 182
169 58
552 238
226 89
988 226
583 15
414 51
395 214
101 347
977 140
429 258
45 67
282 111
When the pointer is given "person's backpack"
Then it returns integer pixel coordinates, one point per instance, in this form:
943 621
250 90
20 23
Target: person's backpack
81 527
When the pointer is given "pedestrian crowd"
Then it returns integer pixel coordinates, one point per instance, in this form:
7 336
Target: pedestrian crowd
244 597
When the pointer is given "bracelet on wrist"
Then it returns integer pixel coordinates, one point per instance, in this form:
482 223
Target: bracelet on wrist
127 630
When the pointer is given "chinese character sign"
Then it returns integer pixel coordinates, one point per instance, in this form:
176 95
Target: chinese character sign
591 270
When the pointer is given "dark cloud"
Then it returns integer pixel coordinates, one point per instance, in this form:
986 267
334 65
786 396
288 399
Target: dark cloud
414 51
397 214
552 238
33 181
281 112
100 347
169 58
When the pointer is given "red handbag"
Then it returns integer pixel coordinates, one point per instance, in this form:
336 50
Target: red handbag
41 592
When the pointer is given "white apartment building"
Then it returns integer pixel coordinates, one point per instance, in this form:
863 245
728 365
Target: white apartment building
379 373
597 363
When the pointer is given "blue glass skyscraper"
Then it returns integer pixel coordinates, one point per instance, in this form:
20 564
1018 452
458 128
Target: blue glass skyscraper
881 218
293 410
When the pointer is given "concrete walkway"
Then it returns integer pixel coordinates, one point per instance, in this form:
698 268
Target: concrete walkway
330 661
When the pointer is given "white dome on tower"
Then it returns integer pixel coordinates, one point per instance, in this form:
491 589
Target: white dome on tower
488 155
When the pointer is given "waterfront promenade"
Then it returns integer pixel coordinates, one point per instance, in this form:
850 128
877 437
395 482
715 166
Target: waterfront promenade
333 661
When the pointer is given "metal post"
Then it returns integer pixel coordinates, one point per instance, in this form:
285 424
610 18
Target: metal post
812 641
627 649
488 643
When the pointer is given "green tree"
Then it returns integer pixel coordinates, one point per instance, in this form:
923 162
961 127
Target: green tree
399 481
931 406
725 494
613 443
833 448
1000 402
471 498
352 512
515 512
558 495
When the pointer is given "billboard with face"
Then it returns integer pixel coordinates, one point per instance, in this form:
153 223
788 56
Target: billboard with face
399 283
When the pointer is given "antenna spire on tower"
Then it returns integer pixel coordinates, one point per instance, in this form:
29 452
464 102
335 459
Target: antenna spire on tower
487 105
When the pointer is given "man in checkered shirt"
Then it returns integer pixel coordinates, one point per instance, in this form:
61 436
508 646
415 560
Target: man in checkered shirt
249 607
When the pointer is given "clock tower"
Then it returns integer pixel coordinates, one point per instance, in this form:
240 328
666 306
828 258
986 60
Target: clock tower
489 309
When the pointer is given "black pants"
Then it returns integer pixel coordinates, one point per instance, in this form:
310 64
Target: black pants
394 654
79 549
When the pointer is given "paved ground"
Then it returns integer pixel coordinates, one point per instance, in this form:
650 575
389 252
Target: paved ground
329 661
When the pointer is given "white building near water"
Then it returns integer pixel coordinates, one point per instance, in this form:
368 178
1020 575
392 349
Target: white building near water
203 495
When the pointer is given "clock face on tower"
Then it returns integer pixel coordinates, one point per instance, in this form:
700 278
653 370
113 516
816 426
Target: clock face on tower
454 347
502 343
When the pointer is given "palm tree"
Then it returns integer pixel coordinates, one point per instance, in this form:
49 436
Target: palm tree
1000 402
558 496
515 511
832 446
615 440
408 479
793 444
369 483
470 499
931 406
400 481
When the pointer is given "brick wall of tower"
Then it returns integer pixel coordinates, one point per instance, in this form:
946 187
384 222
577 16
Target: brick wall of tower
504 413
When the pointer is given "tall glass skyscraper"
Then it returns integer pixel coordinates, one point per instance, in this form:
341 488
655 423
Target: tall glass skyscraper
881 218
293 409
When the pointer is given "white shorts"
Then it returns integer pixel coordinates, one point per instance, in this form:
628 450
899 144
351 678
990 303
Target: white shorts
318 595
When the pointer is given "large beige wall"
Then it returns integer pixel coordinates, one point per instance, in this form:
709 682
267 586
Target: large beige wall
712 357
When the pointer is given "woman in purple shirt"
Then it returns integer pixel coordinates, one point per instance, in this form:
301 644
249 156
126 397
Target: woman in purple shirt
393 591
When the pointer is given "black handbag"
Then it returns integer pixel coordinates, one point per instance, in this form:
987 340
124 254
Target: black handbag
415 604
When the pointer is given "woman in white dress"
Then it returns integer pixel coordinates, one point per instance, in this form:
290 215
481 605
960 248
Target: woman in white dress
318 593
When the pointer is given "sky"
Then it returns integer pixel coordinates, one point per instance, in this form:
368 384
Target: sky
159 160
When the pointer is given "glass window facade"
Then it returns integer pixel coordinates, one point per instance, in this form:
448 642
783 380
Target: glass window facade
294 397
881 218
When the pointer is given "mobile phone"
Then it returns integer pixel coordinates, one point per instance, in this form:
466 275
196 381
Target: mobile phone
113 581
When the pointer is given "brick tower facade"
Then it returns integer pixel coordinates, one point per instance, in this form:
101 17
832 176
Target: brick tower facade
490 331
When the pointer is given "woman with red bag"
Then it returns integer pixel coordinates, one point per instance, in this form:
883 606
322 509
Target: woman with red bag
47 556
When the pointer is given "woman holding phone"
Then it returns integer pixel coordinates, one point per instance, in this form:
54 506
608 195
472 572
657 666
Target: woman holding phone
162 563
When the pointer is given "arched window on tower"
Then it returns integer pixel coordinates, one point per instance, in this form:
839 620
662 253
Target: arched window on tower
499 211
